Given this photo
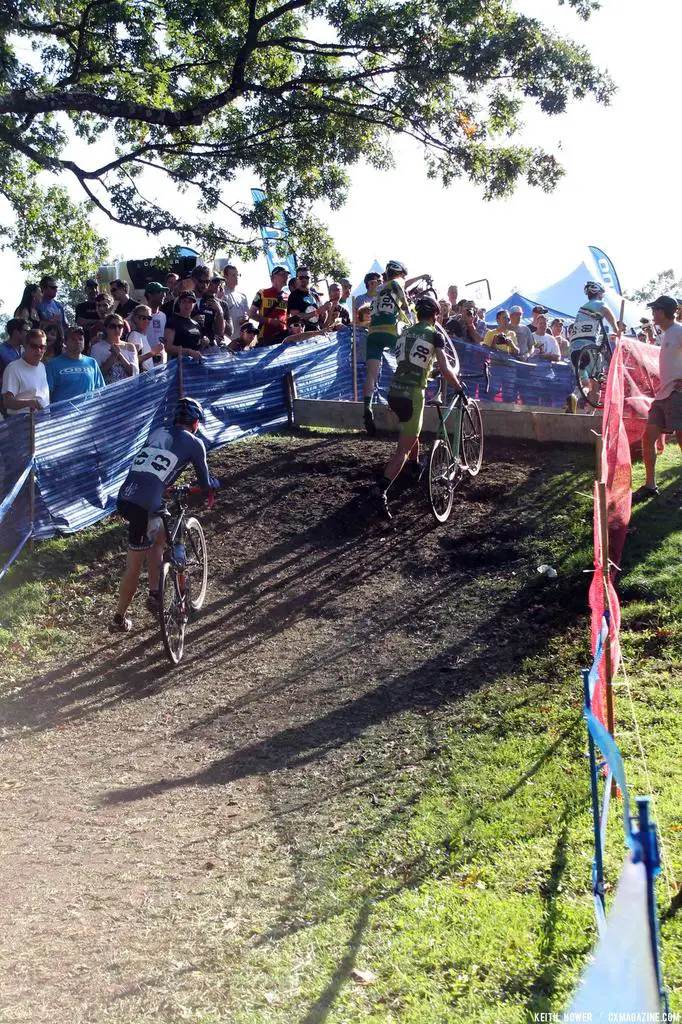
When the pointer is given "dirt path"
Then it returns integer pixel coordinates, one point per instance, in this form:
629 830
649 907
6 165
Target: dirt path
154 820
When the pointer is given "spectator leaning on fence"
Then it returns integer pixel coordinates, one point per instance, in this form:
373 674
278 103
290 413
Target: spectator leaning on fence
269 309
24 382
28 307
10 350
522 333
50 309
117 359
502 338
72 374
547 347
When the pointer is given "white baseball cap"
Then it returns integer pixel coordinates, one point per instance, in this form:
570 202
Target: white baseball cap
516 309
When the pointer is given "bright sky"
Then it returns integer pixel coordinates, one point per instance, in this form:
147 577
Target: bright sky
620 179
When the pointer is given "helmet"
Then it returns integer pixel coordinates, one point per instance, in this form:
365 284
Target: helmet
594 290
395 267
426 306
188 410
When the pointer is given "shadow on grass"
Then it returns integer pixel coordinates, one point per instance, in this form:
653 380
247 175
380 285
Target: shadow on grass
319 1011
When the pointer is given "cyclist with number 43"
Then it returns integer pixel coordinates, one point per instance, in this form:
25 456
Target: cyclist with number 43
155 467
416 350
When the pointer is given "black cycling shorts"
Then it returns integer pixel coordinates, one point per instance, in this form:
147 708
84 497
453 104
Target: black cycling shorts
142 528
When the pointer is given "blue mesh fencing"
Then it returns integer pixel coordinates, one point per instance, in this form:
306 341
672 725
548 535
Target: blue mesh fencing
15 466
84 446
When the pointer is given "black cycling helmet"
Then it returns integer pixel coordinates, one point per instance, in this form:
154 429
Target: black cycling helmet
395 267
188 410
594 290
426 306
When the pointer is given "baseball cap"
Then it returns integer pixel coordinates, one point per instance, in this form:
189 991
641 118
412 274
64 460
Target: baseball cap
154 286
517 309
279 270
91 283
187 295
251 328
540 309
665 303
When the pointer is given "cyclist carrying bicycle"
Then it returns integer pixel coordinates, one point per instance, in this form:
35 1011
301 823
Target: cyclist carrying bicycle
390 312
589 320
155 467
416 350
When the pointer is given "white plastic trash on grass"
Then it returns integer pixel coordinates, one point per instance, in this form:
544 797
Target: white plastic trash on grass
548 571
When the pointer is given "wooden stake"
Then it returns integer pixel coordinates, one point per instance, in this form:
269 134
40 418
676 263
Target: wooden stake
354 350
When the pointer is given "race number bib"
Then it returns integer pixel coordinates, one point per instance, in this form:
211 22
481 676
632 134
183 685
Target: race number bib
384 305
157 461
585 329
421 353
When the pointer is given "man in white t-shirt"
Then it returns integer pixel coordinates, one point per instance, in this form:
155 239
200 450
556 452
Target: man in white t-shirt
665 414
546 346
155 293
24 382
237 302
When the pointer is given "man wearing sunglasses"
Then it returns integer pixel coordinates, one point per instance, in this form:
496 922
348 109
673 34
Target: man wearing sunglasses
304 301
24 382
72 374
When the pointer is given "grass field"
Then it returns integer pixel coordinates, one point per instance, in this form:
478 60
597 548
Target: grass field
446 876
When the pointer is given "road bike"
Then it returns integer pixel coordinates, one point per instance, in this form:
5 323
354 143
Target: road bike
591 365
456 454
184 570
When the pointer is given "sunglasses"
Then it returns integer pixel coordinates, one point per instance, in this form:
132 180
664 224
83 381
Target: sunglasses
36 346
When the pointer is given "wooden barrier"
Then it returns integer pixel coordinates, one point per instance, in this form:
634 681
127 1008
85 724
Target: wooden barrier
499 420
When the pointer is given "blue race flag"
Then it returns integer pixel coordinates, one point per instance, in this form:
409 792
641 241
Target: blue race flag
606 269
278 232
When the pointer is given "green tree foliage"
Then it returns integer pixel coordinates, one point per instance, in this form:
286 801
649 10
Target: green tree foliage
293 92
51 234
665 283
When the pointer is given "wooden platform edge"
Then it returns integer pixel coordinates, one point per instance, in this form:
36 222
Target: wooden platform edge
499 420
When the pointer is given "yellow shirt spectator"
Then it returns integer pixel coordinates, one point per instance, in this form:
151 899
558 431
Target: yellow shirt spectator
508 345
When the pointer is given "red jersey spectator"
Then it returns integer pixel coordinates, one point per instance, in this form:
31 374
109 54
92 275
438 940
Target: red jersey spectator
269 309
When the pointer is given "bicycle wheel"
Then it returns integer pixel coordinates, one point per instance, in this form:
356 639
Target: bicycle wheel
441 481
591 372
197 563
172 618
471 442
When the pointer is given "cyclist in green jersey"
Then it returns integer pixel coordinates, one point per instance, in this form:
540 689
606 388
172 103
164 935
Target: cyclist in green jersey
390 306
416 350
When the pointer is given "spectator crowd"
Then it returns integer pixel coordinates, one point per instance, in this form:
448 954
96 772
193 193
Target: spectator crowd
113 337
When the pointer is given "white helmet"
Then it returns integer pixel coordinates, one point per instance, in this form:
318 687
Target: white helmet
594 290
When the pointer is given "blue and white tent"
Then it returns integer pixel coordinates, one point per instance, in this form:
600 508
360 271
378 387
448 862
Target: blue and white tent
564 297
